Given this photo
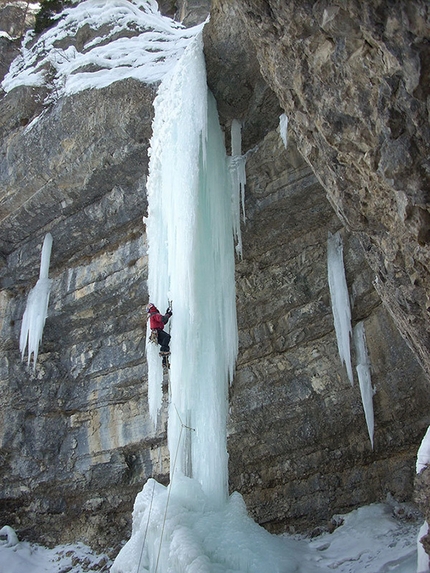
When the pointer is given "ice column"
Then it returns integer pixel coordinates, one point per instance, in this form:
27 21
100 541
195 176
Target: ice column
364 378
238 176
36 310
339 299
283 129
191 262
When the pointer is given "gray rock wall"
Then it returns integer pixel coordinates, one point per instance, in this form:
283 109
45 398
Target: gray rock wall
298 439
353 79
76 439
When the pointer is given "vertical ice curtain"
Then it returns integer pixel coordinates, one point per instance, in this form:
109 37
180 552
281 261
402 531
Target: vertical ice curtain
191 263
340 300
364 377
36 311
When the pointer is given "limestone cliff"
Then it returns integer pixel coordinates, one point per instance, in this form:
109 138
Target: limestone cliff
76 440
354 81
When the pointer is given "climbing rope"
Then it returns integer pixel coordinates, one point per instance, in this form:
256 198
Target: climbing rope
170 485
167 502
182 423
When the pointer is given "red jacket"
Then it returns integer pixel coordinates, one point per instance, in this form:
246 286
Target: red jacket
157 320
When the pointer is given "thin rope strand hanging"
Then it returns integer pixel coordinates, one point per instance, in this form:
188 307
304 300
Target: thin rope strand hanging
170 485
168 499
147 526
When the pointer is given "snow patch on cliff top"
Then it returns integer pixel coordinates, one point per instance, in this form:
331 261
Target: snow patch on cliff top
98 42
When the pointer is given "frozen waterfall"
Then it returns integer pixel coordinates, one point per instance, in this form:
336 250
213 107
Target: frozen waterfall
191 262
36 310
423 455
193 525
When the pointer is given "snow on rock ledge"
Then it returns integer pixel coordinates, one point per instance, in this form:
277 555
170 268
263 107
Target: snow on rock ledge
98 42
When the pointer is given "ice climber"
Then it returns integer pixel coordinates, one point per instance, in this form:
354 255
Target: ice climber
158 334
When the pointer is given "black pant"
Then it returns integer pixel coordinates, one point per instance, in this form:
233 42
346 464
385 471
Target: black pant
164 340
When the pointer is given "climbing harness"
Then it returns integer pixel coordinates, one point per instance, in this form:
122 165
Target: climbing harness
153 337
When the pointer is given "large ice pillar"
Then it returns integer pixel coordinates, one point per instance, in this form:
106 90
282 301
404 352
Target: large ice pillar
36 310
191 262
340 300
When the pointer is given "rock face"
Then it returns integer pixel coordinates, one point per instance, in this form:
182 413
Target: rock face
188 12
354 82
76 440
298 441
235 79
15 19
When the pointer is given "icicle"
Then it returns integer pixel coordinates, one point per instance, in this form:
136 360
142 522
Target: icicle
238 176
339 299
36 309
364 378
423 455
283 129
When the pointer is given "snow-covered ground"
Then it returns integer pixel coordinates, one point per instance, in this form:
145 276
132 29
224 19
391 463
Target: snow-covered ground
371 539
29 558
